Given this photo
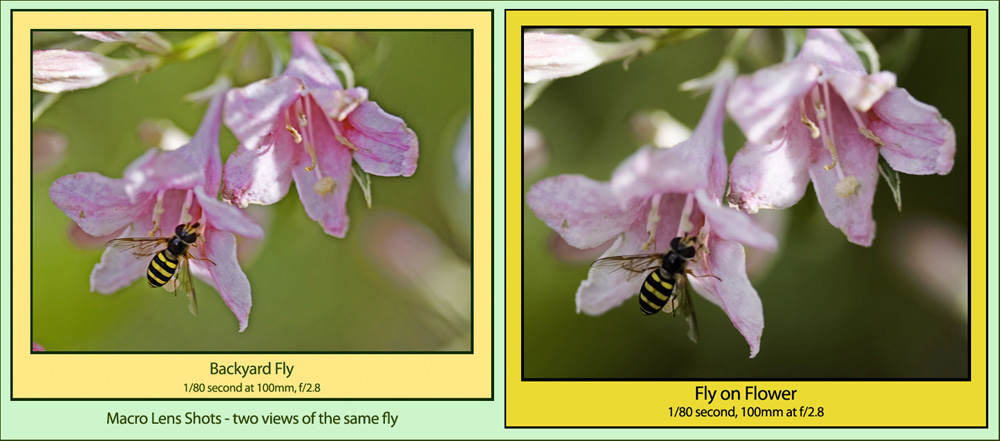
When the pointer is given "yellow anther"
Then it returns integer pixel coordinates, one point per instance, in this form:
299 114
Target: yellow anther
324 186
847 187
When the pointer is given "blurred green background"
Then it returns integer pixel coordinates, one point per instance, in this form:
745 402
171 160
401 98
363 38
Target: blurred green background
311 292
831 309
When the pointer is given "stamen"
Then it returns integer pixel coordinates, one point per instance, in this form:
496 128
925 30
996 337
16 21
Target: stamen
813 130
652 221
829 125
309 131
157 212
290 129
864 131
312 156
833 153
685 224
871 135
185 216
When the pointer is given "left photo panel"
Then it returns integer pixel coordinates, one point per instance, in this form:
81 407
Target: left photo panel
297 192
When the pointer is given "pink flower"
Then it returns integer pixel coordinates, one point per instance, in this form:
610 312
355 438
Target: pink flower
48 149
150 41
304 125
60 70
821 117
550 56
654 196
159 191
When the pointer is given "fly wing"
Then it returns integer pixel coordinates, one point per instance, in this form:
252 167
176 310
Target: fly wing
681 301
185 285
636 264
139 246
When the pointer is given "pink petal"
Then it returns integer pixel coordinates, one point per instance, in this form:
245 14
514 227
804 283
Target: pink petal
60 70
173 202
607 287
734 293
566 253
338 103
308 65
202 153
48 149
227 275
858 157
730 224
253 111
861 91
85 241
831 52
583 211
260 176
325 197
386 147
150 41
918 141
98 204
652 171
157 170
118 269
762 103
536 155
774 174
550 56
35 347
227 217
699 162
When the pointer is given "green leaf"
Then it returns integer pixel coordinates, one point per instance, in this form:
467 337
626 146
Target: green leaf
892 178
364 180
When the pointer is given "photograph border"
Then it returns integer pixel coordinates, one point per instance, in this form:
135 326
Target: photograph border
436 366
576 402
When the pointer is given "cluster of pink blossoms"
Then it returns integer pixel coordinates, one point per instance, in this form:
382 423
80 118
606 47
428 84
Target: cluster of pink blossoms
819 117
300 125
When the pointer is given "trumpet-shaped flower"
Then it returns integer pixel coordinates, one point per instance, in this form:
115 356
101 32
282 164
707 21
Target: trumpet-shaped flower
60 70
654 196
549 56
304 126
150 41
822 118
160 190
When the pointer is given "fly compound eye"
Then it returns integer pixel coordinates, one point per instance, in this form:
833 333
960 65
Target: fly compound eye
179 231
675 244
688 252
190 238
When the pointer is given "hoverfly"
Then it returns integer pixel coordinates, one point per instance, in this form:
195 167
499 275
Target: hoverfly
665 287
170 267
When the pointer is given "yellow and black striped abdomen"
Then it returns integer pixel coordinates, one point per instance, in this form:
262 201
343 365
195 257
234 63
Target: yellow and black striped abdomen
656 291
161 269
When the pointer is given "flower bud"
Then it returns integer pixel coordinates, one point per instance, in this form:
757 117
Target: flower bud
149 41
60 70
